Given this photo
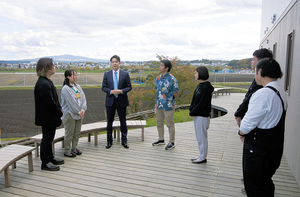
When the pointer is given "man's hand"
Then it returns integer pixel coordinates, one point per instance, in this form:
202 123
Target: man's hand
242 138
116 92
238 120
175 95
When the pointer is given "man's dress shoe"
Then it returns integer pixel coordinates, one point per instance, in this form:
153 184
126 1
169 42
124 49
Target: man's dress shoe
108 145
125 145
57 161
50 167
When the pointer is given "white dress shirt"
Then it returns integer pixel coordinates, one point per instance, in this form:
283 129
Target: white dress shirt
265 109
113 73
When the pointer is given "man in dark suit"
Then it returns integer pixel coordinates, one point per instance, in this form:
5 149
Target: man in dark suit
47 112
116 83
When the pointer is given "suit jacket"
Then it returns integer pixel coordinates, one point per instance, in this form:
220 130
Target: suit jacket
47 107
124 85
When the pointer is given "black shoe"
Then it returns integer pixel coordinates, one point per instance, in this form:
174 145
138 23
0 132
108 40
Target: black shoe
158 142
50 167
109 144
198 161
244 191
57 161
125 145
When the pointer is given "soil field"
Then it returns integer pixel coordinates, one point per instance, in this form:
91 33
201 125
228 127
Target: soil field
17 111
17 106
29 79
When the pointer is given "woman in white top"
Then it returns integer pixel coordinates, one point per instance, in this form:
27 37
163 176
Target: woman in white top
73 103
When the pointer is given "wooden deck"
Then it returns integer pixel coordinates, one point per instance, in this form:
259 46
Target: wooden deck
145 170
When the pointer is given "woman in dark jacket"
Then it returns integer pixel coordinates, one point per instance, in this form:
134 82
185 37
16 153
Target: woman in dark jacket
47 112
200 109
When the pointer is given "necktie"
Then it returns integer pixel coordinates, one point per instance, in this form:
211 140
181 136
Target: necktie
116 82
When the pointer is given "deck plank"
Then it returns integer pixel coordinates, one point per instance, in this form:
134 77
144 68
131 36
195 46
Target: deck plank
146 170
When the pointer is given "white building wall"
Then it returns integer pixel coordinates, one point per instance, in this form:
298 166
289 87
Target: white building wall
278 34
270 8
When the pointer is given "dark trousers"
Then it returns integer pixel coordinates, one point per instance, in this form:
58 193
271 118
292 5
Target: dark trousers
46 144
259 166
110 111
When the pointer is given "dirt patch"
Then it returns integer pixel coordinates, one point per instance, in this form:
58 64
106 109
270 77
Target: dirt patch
18 111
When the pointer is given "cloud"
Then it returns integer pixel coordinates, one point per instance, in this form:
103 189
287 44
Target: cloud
136 29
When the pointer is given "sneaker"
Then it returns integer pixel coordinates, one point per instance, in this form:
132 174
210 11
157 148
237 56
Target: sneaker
158 142
69 154
77 151
170 146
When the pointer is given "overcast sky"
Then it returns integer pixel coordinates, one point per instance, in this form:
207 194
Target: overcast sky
134 30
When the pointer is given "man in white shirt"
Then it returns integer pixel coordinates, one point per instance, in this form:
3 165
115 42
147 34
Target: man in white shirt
262 130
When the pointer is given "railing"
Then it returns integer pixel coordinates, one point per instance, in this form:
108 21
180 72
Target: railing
216 111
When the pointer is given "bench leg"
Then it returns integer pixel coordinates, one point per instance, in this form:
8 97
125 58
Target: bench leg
53 149
7 177
142 133
114 133
118 135
89 137
36 145
96 138
30 163
14 165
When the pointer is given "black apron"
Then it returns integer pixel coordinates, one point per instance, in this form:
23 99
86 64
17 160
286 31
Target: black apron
262 155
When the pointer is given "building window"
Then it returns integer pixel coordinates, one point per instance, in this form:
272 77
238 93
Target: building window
289 62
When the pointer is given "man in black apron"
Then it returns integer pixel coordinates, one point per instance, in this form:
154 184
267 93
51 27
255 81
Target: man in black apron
262 130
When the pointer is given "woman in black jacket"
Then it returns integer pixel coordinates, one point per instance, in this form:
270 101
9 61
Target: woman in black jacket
200 109
47 112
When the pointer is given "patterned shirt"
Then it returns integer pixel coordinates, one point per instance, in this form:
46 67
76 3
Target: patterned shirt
165 85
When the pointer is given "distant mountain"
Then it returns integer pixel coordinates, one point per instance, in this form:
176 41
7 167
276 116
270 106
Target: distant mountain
58 58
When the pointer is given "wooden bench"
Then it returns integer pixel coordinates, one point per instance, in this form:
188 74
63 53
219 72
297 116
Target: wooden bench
94 128
221 90
9 155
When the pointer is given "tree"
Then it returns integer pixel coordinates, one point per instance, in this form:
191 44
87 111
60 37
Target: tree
184 76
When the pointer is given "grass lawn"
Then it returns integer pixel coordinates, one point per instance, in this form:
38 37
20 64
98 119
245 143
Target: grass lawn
179 116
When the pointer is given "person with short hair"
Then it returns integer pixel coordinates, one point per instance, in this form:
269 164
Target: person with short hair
47 112
167 90
262 130
243 107
116 84
200 109
73 103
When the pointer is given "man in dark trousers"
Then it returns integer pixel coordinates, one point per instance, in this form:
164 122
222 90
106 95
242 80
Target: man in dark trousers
47 112
242 109
116 83
262 130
